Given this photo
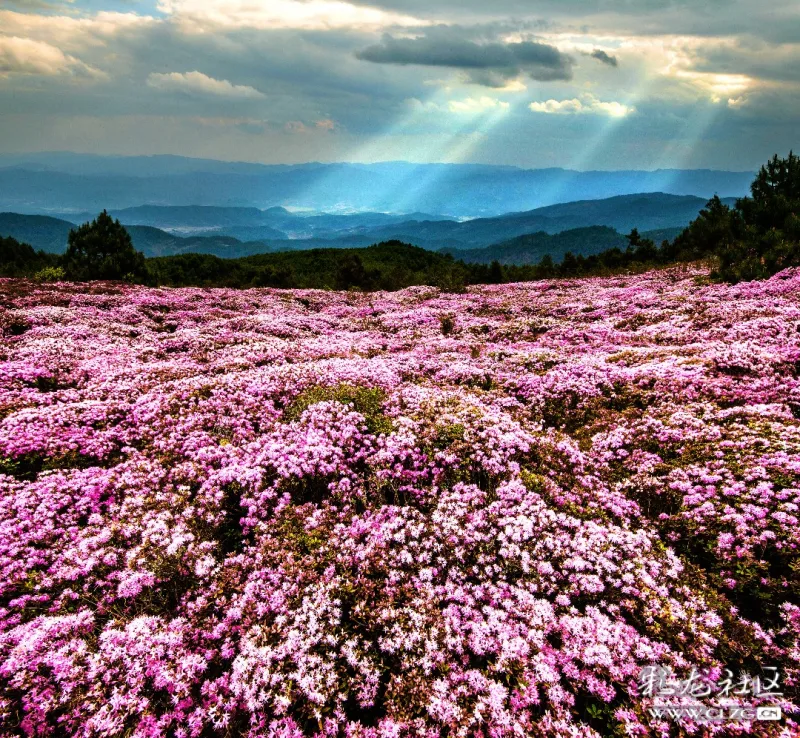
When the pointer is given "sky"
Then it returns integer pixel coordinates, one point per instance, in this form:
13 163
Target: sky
582 84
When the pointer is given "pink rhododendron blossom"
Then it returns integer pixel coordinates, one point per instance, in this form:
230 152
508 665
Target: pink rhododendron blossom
280 514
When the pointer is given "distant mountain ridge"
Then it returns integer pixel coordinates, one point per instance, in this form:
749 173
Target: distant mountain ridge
516 238
51 234
532 247
47 183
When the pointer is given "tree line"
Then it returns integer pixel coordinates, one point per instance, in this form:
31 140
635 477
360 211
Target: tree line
758 237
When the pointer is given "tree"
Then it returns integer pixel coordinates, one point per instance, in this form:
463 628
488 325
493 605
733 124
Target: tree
496 273
714 232
768 237
20 260
103 249
569 265
351 273
634 238
757 238
775 194
546 268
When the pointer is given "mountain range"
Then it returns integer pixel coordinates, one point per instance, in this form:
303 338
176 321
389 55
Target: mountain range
583 227
62 183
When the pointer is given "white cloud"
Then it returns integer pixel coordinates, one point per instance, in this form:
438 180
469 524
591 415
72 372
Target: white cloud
717 86
73 35
27 56
557 106
199 15
417 105
585 104
297 126
200 83
477 105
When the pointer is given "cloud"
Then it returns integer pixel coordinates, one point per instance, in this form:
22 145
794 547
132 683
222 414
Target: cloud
27 56
73 35
197 82
477 105
776 20
717 86
488 64
296 126
325 125
32 4
605 58
675 58
586 104
319 15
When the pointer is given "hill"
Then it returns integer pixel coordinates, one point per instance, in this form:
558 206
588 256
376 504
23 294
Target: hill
43 182
389 265
40 231
235 232
531 248
649 211
155 242
50 235
252 224
200 219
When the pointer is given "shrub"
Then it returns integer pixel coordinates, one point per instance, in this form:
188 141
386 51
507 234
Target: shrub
50 274
103 249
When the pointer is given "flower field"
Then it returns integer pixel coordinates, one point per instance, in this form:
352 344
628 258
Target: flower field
305 513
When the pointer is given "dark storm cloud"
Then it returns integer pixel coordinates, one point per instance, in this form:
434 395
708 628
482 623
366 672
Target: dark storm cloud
605 58
486 63
759 60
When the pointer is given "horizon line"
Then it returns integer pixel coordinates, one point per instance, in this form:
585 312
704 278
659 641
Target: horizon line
59 152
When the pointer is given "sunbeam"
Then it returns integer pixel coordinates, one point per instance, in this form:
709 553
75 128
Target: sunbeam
441 129
679 151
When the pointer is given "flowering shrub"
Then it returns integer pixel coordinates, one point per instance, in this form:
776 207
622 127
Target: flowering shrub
301 513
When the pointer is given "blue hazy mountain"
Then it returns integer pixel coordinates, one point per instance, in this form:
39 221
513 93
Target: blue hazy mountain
532 247
251 224
40 231
237 231
648 211
50 234
74 183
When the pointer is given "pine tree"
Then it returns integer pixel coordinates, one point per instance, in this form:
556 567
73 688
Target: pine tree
103 249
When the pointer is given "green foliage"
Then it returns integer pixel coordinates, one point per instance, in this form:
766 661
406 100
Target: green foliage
644 248
103 249
447 435
757 238
365 400
768 238
714 231
775 196
50 274
351 273
446 324
390 265
20 260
